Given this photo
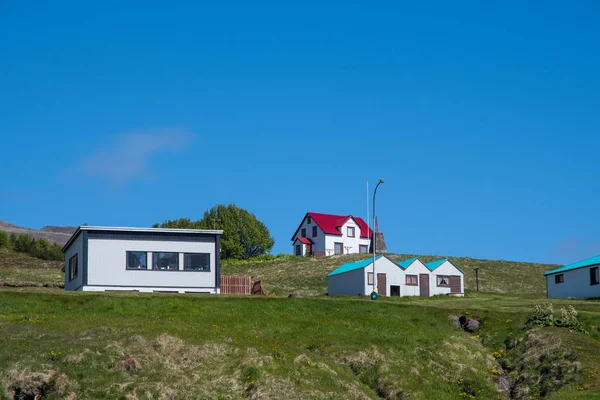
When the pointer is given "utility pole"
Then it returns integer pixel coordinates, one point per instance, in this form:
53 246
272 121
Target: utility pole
477 278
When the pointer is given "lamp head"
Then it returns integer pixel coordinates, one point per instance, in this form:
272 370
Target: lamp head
381 180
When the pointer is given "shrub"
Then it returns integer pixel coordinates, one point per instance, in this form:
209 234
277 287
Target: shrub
4 241
544 315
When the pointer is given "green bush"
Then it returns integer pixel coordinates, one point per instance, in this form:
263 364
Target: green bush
544 315
40 248
4 240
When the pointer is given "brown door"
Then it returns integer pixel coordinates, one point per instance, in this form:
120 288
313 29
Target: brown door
455 284
424 285
381 285
309 250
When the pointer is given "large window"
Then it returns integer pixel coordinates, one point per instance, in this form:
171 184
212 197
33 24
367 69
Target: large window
350 231
314 231
411 280
560 278
303 232
73 268
443 280
338 248
137 260
298 250
363 248
196 262
165 261
594 278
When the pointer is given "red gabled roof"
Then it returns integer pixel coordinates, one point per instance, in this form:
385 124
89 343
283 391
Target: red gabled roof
330 224
304 240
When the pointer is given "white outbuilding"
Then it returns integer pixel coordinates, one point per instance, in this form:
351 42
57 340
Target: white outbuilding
409 277
577 280
143 259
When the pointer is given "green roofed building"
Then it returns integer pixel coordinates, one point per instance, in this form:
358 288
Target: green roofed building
577 280
409 277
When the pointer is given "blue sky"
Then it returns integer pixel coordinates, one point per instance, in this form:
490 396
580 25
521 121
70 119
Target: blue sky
482 118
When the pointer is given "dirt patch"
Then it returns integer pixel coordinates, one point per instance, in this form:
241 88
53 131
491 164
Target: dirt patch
129 364
26 385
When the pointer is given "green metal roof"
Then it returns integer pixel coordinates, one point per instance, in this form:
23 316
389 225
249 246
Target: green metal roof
351 266
434 264
580 264
405 263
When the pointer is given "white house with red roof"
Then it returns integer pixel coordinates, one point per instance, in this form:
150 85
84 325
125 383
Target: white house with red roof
327 234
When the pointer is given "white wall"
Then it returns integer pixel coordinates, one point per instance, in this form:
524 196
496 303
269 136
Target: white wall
446 268
302 248
416 268
319 240
354 242
75 248
349 283
107 264
393 272
576 284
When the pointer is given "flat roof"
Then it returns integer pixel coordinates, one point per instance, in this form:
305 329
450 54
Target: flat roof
137 229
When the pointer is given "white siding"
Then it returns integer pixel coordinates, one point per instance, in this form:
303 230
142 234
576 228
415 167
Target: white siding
416 268
349 283
576 284
319 240
107 264
75 248
393 273
446 268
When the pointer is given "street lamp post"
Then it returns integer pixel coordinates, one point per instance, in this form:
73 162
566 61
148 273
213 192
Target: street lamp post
375 238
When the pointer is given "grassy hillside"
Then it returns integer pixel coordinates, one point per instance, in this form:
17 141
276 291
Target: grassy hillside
305 275
137 346
309 275
20 269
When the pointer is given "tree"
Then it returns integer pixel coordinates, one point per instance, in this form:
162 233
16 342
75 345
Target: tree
4 239
244 236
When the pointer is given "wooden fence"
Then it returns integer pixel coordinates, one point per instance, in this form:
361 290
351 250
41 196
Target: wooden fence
235 285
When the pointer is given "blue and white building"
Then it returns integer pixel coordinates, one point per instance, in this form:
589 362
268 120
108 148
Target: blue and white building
409 277
577 280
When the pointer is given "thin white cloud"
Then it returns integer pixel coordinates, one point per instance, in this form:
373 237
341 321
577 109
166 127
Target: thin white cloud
573 249
128 157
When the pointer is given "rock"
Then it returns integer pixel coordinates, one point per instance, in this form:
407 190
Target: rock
455 321
295 296
472 325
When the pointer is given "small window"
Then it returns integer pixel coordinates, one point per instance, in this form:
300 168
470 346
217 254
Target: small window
137 260
594 278
411 280
73 268
560 278
308 220
350 231
303 232
363 248
369 278
196 262
338 248
314 231
165 261
298 250
443 280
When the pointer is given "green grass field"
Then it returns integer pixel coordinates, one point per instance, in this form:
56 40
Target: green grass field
162 346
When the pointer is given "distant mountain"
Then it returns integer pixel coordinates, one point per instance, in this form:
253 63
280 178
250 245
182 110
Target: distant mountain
56 234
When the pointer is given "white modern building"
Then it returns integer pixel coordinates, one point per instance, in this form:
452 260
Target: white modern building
143 259
406 278
328 234
577 280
